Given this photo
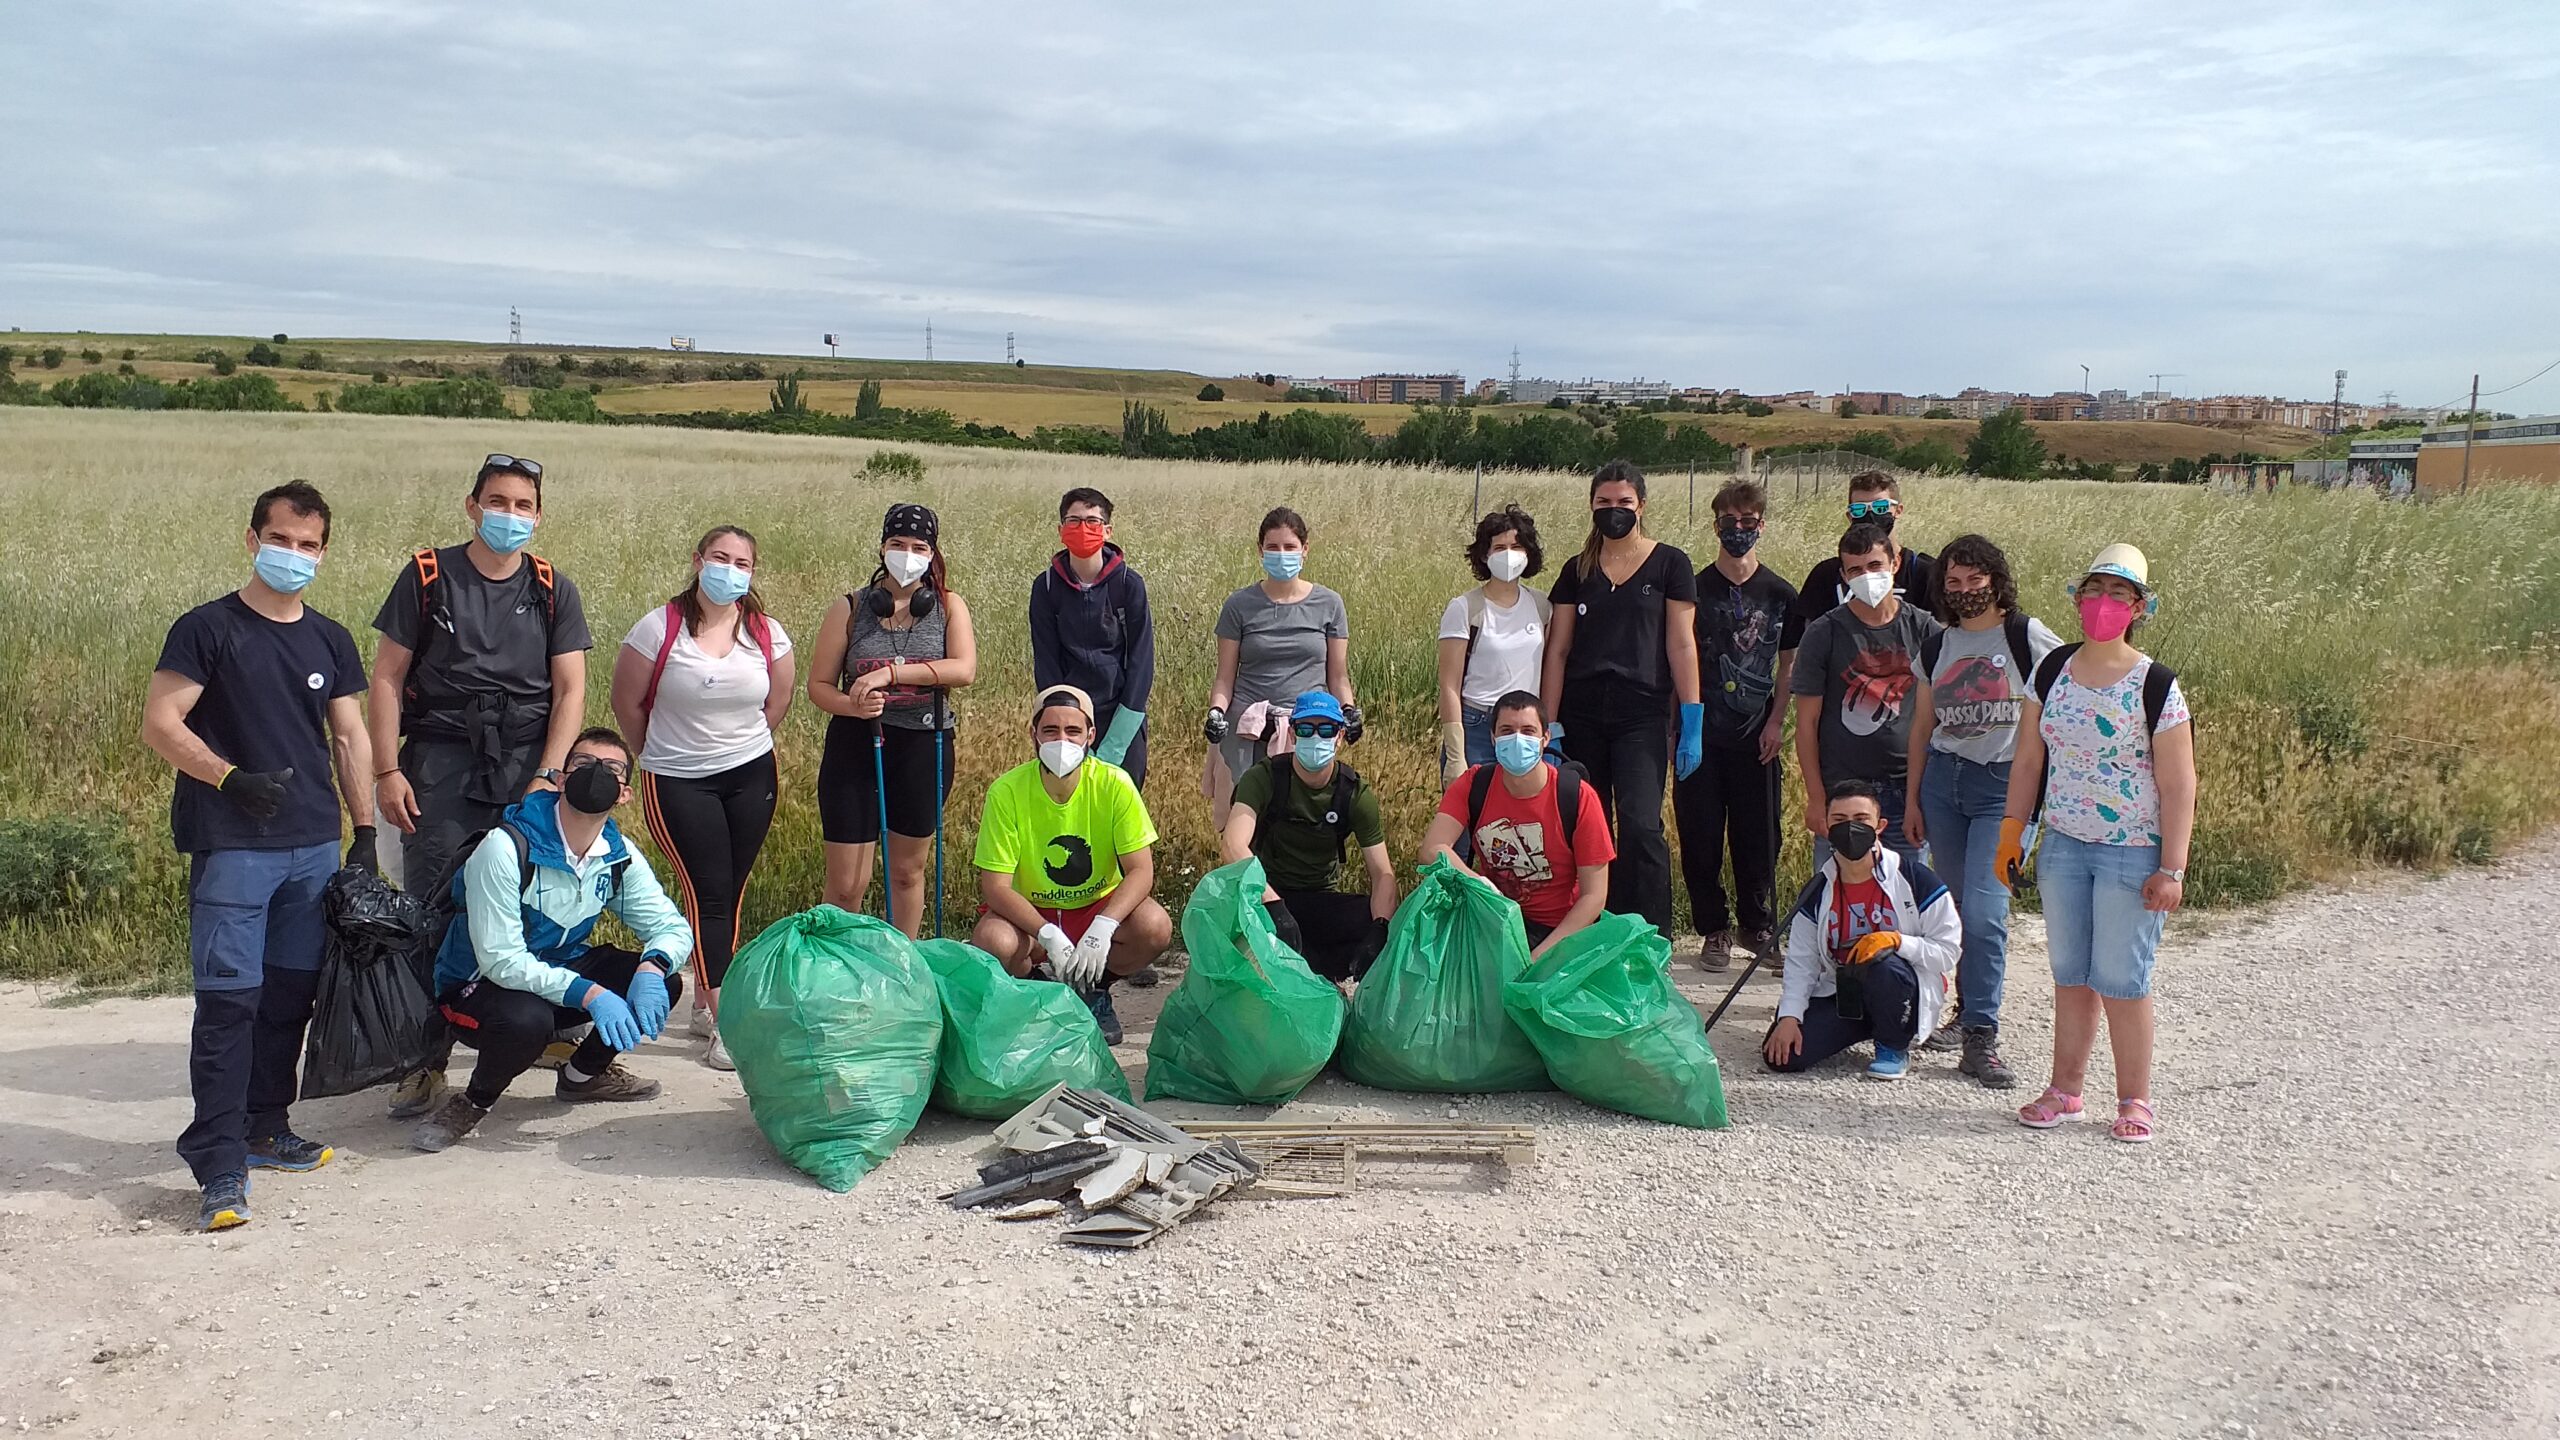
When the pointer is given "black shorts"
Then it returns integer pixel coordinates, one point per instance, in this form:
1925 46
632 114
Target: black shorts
849 798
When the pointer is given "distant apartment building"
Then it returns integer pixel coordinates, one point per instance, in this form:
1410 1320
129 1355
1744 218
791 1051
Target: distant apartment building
1587 391
1404 389
1535 391
2502 451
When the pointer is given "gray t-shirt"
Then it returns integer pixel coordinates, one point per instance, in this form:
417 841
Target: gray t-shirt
1280 648
1975 690
872 644
1864 675
497 636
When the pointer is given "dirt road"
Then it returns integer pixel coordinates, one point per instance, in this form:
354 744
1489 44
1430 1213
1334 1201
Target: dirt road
2347 1228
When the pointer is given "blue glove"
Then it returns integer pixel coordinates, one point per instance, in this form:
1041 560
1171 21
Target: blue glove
613 1019
649 1003
1693 741
1122 734
1555 742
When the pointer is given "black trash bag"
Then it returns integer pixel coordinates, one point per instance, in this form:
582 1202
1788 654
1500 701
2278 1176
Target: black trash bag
373 1020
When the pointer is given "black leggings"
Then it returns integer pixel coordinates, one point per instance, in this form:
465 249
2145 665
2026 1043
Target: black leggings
511 1028
849 795
1622 738
710 830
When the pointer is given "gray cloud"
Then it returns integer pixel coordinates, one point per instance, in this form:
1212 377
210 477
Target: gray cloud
1915 195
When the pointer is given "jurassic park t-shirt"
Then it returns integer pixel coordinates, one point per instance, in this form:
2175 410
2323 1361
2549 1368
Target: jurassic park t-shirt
1063 856
1864 675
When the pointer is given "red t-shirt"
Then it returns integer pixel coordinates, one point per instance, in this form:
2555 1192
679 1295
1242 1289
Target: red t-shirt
1857 911
1520 845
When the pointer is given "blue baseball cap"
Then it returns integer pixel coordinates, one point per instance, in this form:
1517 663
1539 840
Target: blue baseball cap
1317 705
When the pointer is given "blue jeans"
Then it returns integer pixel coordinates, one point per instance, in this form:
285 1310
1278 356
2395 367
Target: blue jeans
255 931
1479 727
1961 802
2096 930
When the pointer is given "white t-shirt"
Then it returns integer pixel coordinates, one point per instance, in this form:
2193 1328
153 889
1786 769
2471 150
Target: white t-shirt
1509 649
709 714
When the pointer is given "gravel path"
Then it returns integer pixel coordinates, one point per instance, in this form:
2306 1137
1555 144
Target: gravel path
2347 1228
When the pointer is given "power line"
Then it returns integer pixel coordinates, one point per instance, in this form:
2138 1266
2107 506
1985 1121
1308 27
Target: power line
2529 379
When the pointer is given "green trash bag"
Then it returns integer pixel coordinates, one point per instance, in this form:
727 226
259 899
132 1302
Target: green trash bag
1428 1015
1006 1041
1250 1024
1602 1009
834 1023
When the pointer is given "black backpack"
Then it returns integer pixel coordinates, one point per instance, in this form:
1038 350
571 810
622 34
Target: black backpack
2155 698
1570 778
2021 649
1337 809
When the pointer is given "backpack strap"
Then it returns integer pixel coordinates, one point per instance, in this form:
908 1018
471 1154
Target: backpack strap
549 582
524 856
658 667
1930 650
1346 792
2048 673
1476 606
2155 694
760 628
1569 800
2022 650
1479 785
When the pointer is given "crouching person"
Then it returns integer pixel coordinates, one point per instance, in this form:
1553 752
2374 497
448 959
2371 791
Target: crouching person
1534 829
1300 815
1066 862
1869 948
516 964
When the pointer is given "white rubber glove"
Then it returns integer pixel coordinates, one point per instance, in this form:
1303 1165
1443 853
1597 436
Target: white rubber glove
1093 952
1061 952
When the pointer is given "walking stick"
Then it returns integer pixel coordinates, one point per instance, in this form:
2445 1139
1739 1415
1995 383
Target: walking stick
880 787
1727 1003
941 738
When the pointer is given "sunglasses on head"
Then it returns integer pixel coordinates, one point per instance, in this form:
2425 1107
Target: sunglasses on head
621 769
1870 509
517 463
1315 729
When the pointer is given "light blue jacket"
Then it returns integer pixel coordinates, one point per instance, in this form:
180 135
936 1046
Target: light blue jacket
527 937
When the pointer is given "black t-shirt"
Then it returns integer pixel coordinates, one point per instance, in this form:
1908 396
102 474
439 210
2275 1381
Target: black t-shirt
1738 633
267 688
502 639
1915 580
1617 629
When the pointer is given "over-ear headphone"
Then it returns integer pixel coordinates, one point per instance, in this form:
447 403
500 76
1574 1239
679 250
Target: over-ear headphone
881 603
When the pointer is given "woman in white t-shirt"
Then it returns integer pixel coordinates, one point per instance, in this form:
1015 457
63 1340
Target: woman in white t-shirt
700 685
1492 638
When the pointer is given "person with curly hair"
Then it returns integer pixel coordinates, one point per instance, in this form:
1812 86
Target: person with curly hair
1492 638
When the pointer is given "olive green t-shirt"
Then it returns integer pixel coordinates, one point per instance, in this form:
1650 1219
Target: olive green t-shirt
1299 846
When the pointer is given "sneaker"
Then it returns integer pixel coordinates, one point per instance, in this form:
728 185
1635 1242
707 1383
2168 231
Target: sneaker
440 1130
418 1093
1763 944
703 1026
288 1151
615 1084
1715 956
1147 978
717 1057
1943 1039
1103 1015
1889 1064
226 1203
1982 1059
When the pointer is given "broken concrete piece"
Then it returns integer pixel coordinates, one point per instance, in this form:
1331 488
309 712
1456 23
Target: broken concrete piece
1112 1183
1032 1210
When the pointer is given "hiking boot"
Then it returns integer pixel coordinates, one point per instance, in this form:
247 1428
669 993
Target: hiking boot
1147 978
1103 1015
1715 955
1942 1040
440 1130
418 1092
615 1084
226 1203
285 1150
1889 1064
1982 1058
1763 944
717 1057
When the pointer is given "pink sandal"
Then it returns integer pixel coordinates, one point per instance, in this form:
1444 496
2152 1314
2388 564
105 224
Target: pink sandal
2133 1128
2049 1109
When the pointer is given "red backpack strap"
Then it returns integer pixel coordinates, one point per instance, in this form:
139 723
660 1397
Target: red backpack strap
658 667
428 568
550 583
760 629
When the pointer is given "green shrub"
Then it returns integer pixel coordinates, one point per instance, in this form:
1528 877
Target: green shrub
52 864
1212 392
564 404
92 357
898 465
312 360
50 357
263 353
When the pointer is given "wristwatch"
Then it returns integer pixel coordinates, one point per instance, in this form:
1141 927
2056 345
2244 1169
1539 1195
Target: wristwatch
551 773
2179 875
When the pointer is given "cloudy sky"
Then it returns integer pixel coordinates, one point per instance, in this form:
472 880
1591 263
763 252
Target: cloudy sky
1915 196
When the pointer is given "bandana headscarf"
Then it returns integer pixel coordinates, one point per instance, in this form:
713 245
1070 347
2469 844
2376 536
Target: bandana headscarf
914 522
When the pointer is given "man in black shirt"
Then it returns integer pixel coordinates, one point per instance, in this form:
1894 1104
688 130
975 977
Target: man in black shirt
1742 672
252 701
479 688
1875 498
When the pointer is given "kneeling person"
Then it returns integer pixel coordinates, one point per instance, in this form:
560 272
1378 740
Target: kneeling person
1536 829
1066 862
516 964
1300 815
1869 948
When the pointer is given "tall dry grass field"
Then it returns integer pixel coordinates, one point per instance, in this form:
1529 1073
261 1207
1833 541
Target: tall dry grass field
2372 682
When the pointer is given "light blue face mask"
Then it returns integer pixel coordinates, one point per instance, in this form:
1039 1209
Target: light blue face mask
1315 751
1517 754
1283 564
284 571
723 584
503 532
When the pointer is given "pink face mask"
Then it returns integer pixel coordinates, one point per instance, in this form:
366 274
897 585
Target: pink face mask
2104 617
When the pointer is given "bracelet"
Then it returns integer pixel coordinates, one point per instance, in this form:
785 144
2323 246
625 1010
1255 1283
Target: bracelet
382 774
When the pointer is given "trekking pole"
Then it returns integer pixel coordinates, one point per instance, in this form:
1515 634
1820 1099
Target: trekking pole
941 738
1727 1003
880 787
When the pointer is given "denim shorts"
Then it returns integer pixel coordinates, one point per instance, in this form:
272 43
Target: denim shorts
2096 930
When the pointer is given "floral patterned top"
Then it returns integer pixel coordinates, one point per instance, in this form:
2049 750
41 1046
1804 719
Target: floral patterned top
2099 788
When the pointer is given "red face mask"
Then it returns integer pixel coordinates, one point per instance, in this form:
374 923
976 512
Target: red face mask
1083 538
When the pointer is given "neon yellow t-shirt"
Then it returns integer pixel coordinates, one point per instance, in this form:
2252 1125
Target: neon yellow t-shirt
1063 857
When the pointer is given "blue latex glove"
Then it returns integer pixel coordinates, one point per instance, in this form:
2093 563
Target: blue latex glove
613 1018
1123 733
1693 741
1555 742
648 999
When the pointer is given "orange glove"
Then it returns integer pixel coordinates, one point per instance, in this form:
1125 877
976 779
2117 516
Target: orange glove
1868 947
2011 862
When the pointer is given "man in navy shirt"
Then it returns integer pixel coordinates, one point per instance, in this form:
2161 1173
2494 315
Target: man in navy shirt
1090 629
255 697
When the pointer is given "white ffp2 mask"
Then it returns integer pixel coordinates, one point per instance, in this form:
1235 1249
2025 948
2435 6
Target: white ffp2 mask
1061 757
905 566
1507 564
1870 588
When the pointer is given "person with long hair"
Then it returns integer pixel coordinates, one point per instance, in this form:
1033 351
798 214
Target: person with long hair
1622 649
889 656
700 687
1493 638
1971 683
1277 639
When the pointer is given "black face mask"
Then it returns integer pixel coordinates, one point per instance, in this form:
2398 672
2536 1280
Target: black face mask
1614 523
1852 839
591 789
1965 604
1737 542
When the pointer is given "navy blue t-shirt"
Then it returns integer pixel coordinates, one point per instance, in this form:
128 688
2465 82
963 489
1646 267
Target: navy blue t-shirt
267 688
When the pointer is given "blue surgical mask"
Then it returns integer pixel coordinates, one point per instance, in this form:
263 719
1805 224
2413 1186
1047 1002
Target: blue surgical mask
1517 754
284 571
723 584
503 532
1283 564
1315 751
